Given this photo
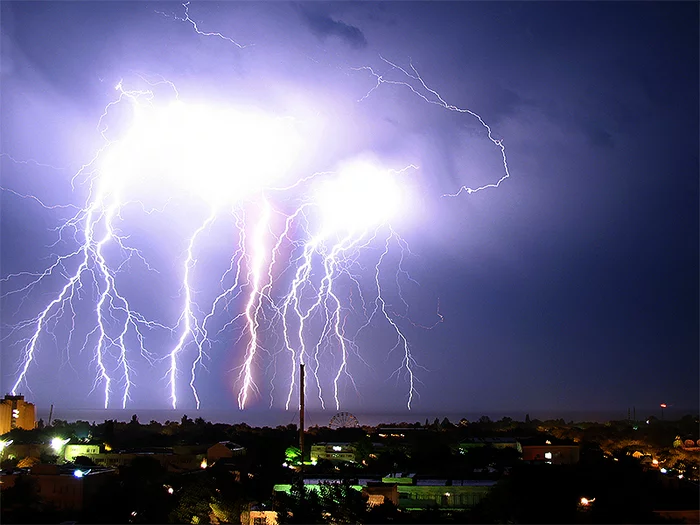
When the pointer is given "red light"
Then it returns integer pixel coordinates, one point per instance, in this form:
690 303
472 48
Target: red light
663 405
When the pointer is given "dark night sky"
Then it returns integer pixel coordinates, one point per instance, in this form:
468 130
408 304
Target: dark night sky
572 286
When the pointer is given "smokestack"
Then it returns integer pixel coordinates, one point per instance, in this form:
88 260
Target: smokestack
301 415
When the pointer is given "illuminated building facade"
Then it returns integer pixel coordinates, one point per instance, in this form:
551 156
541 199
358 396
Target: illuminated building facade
15 412
333 452
410 493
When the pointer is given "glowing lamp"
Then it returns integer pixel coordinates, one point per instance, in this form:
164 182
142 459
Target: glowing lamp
57 443
203 464
78 473
336 448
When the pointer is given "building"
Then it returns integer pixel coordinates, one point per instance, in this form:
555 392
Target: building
378 492
15 412
70 452
495 442
22 450
415 493
552 451
258 515
65 488
411 493
166 457
333 452
224 450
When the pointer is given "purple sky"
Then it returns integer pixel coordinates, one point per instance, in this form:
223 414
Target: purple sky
574 285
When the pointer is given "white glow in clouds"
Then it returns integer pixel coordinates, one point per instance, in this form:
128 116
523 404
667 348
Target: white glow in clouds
361 196
219 154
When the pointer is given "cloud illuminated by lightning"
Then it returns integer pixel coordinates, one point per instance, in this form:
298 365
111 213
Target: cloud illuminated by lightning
291 285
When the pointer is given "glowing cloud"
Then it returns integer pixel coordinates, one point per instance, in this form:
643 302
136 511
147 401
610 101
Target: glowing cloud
219 154
360 197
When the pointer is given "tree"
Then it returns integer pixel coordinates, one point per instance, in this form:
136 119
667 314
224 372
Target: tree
194 505
292 456
363 448
343 503
83 461
301 505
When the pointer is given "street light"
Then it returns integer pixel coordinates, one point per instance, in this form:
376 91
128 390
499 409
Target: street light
663 405
57 444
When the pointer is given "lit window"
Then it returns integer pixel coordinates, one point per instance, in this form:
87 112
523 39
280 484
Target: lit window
336 448
547 455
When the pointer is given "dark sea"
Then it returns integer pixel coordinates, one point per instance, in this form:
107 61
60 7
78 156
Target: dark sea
276 417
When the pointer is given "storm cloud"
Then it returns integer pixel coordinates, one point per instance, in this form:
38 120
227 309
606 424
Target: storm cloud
324 26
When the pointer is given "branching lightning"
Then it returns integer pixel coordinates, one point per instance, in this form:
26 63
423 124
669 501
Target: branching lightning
433 97
297 288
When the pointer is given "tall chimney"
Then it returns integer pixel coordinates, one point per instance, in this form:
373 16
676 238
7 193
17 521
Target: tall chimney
301 414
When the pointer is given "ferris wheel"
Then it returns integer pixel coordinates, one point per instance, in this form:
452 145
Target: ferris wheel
343 420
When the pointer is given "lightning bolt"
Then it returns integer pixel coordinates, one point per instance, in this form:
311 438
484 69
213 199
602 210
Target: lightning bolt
190 327
322 274
254 303
187 19
431 96
99 215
